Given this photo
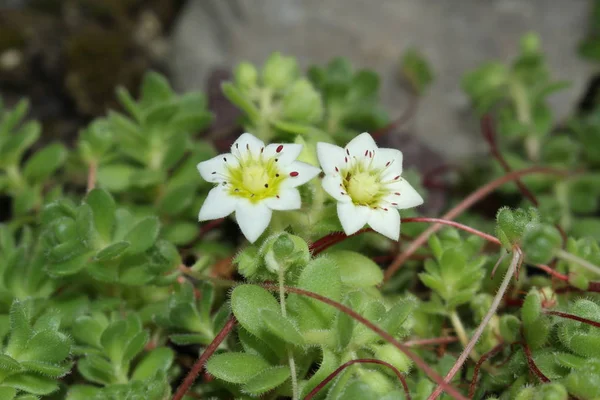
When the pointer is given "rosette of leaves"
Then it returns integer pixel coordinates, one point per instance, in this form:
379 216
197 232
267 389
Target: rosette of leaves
26 180
36 354
277 100
189 315
108 347
350 98
315 332
108 243
22 268
455 273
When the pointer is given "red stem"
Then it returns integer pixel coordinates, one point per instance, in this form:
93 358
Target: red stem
404 118
531 363
199 364
406 350
483 358
336 237
574 318
335 373
461 207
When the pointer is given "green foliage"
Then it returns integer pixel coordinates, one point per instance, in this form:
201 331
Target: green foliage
109 288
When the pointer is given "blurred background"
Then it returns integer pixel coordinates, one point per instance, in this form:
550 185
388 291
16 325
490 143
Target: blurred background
68 56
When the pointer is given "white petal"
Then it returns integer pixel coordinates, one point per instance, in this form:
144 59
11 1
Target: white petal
386 222
390 160
288 152
360 144
330 157
253 219
407 197
247 142
298 173
352 217
332 185
215 169
288 199
218 204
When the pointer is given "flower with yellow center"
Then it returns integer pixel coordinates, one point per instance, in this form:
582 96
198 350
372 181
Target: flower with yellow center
253 180
367 183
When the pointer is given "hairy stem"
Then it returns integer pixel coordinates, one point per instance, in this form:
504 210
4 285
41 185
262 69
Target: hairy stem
460 208
335 373
479 331
291 361
199 364
382 333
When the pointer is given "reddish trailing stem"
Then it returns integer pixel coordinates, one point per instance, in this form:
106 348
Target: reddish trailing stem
531 363
199 364
335 373
574 318
417 360
461 207
404 118
480 362
336 237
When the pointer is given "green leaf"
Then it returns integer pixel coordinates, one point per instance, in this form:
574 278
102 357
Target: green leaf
236 367
416 70
266 380
155 89
9 365
237 98
531 309
47 369
281 327
135 346
7 393
84 223
115 177
129 103
329 362
20 328
356 270
47 346
114 340
143 235
43 164
96 369
112 251
103 208
31 383
320 276
247 304
160 358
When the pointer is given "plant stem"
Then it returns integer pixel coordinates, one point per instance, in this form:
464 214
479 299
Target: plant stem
460 208
335 373
199 364
295 392
382 333
462 334
479 331
572 258
91 178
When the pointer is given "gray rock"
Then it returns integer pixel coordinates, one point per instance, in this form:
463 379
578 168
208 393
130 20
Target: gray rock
455 35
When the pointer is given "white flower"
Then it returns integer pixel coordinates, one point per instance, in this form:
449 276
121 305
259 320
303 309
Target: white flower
368 185
253 180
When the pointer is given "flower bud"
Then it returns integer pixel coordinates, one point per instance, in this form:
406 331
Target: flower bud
284 250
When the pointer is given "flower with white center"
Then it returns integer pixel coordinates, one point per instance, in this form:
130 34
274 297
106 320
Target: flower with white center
367 183
253 180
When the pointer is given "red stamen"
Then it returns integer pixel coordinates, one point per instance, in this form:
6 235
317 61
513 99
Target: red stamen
294 173
279 148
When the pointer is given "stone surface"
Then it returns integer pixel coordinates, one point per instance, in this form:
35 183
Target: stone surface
455 35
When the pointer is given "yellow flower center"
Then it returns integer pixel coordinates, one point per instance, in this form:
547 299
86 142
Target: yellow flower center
255 179
363 188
